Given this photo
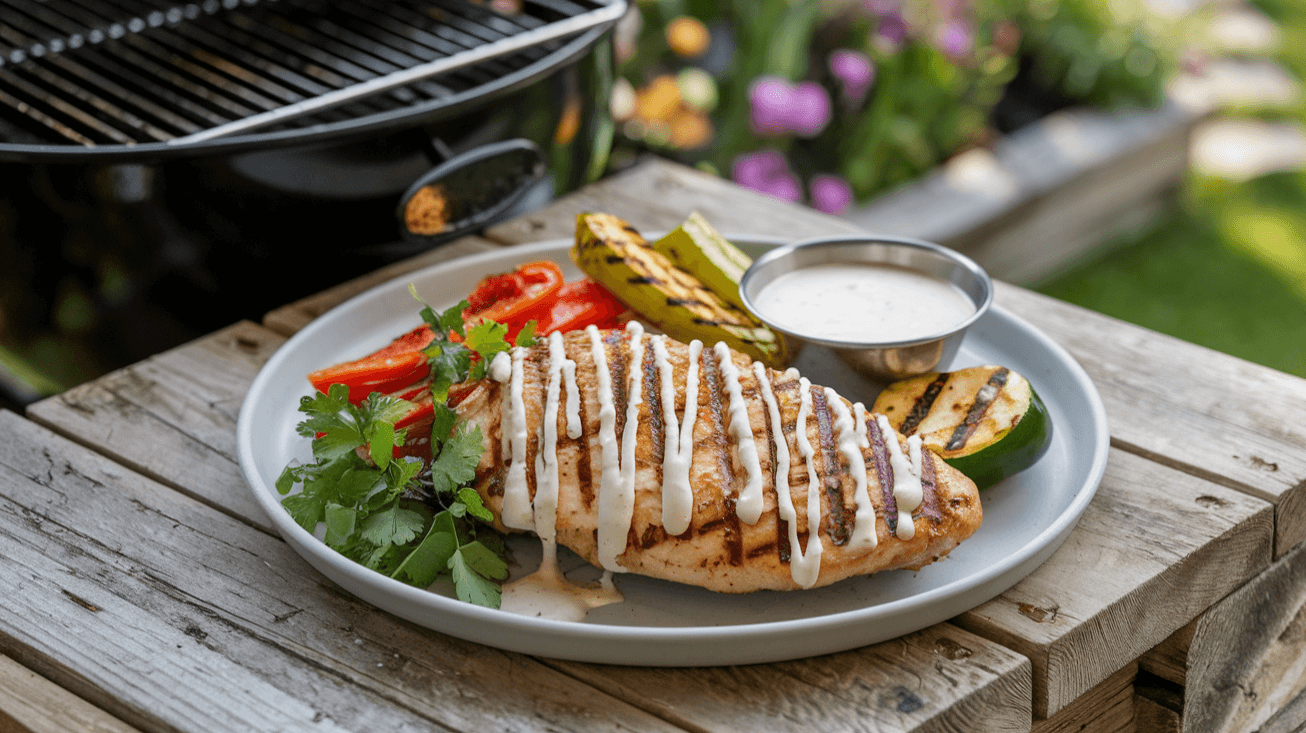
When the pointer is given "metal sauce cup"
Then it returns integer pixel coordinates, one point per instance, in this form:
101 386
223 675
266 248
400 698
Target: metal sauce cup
882 361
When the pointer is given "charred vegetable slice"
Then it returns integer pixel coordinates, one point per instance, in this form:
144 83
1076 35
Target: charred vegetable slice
614 254
697 248
986 421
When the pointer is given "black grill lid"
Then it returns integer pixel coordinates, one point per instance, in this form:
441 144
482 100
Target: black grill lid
156 78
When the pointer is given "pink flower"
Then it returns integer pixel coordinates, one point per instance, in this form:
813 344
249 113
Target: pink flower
954 38
777 107
831 194
767 171
891 32
855 69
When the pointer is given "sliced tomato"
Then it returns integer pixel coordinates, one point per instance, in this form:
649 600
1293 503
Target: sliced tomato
578 305
504 297
398 365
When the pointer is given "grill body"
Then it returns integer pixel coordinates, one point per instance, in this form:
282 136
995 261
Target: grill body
169 168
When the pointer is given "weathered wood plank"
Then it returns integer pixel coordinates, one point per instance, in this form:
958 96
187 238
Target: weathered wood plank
173 416
1154 549
288 319
1107 708
657 195
29 703
1240 420
965 683
171 616
1242 663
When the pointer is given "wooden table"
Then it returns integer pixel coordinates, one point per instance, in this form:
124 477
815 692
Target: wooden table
141 588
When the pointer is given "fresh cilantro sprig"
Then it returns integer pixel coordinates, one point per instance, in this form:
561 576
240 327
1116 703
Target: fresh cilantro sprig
410 519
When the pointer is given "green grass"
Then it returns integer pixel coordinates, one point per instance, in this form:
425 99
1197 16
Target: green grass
1227 269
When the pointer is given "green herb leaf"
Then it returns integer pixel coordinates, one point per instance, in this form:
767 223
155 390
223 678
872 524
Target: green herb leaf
392 526
340 524
456 464
470 586
475 507
430 558
307 511
483 560
526 336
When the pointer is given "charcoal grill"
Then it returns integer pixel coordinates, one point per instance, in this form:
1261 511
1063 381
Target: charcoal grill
222 157
154 79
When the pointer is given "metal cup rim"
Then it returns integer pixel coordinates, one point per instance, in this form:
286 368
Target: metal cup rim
982 281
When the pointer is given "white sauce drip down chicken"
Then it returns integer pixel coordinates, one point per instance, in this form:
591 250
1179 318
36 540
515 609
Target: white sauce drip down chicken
546 592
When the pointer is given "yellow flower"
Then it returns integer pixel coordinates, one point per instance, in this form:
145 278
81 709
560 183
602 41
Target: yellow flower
688 36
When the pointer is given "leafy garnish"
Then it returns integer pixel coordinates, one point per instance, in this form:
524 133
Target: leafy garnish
411 519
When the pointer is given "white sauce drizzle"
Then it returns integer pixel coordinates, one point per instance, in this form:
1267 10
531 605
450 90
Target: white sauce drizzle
546 592
850 445
617 480
907 490
678 445
516 512
749 503
804 567
803 573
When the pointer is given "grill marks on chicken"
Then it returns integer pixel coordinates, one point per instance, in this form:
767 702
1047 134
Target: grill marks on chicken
718 550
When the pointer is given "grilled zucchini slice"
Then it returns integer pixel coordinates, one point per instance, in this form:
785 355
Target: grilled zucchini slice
985 421
699 249
614 254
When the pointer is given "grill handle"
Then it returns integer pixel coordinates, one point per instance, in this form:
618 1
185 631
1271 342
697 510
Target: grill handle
470 191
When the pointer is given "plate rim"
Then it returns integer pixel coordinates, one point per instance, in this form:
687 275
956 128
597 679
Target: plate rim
965 592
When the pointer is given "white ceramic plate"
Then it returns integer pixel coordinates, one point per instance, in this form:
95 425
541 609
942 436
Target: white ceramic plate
1026 517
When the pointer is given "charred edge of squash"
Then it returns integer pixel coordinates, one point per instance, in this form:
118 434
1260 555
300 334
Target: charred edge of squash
983 400
923 404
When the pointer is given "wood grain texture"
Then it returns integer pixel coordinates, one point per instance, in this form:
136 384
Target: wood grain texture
171 616
173 416
29 703
658 195
1247 657
1107 708
1238 422
288 319
1169 659
963 683
1154 549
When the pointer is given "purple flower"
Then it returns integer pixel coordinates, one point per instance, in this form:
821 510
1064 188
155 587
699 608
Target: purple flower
881 7
855 69
891 31
831 194
777 107
769 100
768 172
809 112
954 37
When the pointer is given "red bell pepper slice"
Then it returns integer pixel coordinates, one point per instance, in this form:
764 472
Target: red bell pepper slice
506 296
398 365
578 305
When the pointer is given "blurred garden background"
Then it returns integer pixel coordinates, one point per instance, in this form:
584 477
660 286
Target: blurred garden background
835 103
831 104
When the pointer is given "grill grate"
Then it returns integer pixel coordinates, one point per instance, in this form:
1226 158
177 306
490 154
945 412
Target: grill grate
129 72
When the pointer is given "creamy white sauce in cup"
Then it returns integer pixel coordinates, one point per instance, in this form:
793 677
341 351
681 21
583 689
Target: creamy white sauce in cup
863 303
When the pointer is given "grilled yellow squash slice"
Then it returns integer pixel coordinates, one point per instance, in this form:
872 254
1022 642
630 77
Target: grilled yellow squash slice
614 254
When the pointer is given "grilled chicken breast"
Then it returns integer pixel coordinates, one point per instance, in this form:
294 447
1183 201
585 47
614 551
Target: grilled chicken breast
724 504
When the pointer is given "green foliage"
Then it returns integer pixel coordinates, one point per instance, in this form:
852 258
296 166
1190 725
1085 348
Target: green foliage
381 511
